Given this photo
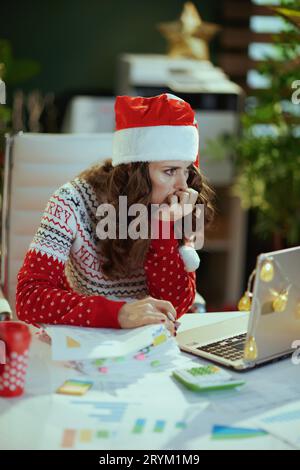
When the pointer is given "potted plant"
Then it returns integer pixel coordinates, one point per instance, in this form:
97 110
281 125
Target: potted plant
267 153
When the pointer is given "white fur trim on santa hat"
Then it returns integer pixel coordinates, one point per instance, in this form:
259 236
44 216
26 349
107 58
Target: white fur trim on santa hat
155 143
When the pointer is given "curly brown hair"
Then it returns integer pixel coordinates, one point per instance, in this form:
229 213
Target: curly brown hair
122 256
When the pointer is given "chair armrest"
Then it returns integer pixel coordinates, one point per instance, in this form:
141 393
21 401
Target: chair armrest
5 310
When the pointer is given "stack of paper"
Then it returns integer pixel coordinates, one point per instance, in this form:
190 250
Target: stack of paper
115 358
73 343
112 373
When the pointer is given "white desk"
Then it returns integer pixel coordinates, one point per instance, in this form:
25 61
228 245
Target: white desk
22 420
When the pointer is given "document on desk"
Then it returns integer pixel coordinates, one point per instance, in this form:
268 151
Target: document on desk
256 398
76 343
283 423
96 422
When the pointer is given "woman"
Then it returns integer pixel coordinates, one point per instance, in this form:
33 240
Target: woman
72 276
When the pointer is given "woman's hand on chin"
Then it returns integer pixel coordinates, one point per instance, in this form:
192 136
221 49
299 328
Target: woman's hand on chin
178 205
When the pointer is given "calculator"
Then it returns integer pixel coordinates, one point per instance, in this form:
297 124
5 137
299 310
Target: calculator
206 378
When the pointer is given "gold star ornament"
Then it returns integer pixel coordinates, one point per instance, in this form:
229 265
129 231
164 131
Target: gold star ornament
189 36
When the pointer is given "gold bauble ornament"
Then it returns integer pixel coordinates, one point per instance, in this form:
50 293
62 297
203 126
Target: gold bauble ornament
267 271
250 349
244 304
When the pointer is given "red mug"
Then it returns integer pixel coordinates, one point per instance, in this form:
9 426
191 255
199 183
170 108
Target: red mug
15 339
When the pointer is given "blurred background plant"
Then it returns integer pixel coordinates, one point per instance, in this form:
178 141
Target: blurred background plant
267 153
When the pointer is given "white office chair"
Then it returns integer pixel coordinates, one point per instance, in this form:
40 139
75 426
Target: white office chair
35 166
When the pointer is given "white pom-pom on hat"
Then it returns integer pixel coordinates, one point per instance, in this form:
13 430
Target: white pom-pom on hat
190 258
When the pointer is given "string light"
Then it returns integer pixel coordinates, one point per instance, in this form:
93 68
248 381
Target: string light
267 271
279 302
250 349
245 302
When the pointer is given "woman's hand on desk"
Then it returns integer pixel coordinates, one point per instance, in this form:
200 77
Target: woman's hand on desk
148 311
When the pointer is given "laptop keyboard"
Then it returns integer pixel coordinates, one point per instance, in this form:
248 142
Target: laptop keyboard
229 348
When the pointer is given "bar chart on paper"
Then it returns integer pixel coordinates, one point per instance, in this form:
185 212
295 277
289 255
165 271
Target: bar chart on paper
109 412
143 425
120 424
157 426
72 438
103 421
96 437
284 417
98 423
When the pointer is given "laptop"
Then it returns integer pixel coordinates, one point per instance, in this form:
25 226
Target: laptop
269 329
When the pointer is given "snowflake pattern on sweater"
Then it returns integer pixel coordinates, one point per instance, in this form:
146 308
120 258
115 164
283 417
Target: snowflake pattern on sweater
61 281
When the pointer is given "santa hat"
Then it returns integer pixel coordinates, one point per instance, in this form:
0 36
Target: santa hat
153 129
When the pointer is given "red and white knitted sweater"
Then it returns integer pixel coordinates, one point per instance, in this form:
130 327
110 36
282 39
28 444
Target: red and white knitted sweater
61 281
